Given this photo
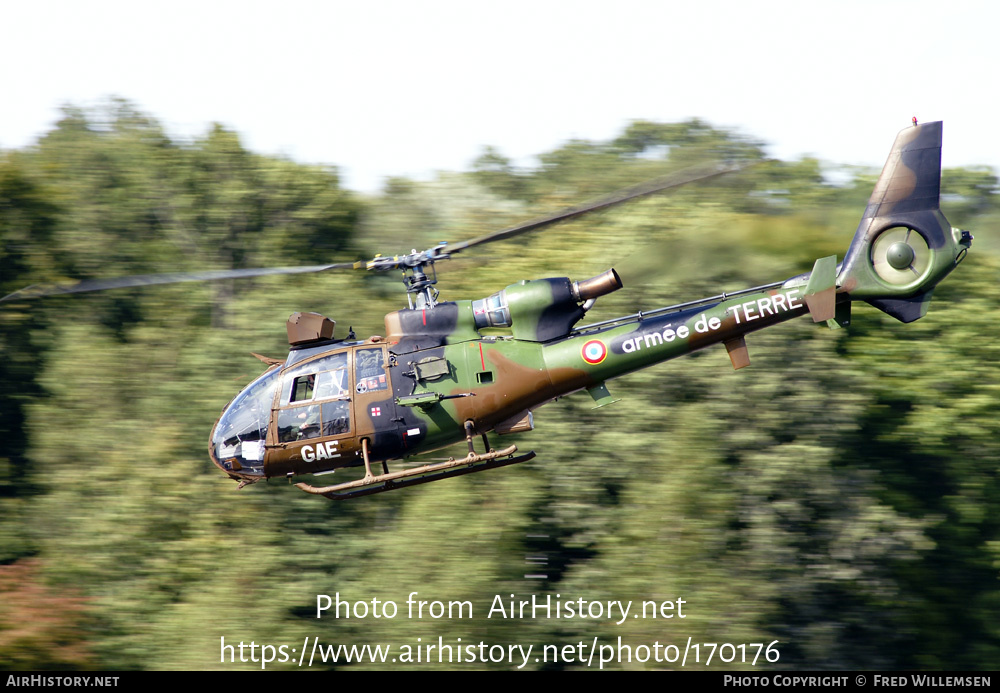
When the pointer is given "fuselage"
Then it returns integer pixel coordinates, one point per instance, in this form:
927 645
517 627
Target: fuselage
414 391
446 371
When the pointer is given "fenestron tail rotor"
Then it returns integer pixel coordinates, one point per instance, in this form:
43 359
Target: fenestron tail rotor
900 255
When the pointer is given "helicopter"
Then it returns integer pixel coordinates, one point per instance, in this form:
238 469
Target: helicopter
435 379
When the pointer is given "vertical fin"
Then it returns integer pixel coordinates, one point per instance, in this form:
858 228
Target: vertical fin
903 220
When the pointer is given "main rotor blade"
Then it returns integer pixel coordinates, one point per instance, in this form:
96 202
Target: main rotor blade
671 180
39 290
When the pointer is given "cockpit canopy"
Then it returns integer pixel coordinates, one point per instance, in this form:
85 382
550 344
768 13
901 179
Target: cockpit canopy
309 398
238 439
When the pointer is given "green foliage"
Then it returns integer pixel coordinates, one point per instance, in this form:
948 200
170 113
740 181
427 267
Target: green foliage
840 496
27 218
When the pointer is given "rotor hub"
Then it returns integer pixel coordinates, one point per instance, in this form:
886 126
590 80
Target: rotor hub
900 255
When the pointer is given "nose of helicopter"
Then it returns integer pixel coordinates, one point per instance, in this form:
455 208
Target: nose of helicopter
242 460
236 445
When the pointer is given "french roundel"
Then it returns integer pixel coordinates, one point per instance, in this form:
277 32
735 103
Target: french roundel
594 351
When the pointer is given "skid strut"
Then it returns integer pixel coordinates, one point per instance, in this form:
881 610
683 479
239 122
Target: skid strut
372 483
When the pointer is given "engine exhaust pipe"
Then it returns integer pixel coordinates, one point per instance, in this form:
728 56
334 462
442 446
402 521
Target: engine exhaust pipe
602 284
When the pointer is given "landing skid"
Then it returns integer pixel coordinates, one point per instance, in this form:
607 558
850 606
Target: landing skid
381 483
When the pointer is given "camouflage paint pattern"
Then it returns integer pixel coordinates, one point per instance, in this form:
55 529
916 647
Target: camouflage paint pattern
439 371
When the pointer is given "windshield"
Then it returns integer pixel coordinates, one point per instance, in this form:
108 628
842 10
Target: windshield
238 438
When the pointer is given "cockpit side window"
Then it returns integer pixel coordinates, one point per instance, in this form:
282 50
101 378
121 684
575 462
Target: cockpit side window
315 400
332 384
302 388
298 423
336 418
323 378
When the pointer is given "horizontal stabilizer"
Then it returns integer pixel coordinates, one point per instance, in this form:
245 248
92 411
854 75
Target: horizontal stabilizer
821 290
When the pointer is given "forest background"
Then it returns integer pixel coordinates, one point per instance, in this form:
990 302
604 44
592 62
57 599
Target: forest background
841 496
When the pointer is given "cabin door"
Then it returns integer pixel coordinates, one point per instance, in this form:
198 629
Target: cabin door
374 402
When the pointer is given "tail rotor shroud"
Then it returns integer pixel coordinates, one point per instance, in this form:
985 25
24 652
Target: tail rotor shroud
900 255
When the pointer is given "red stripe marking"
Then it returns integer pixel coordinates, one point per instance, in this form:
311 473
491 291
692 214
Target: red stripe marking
481 359
423 314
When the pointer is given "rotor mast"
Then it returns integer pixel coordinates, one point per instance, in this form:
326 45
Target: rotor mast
419 275
420 286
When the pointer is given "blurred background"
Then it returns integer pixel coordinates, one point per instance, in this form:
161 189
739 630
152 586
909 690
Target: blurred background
840 496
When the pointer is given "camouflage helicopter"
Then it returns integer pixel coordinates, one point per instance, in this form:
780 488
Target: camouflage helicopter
435 379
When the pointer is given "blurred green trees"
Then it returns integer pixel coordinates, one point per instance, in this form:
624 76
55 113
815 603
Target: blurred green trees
841 496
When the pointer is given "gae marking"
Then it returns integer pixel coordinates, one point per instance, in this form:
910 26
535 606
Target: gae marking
323 451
